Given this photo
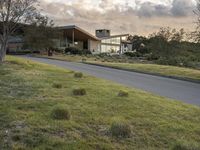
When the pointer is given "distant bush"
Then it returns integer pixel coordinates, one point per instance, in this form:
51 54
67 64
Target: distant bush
58 50
185 146
60 113
78 75
77 51
84 60
133 54
123 94
120 129
102 55
152 56
57 85
175 61
79 92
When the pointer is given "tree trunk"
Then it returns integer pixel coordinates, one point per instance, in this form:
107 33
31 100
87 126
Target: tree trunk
3 52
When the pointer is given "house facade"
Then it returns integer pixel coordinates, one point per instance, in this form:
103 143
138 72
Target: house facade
73 36
102 42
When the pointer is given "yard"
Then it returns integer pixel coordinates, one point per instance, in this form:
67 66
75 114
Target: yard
31 93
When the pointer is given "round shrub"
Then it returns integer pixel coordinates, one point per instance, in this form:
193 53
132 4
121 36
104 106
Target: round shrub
57 85
120 129
123 94
60 113
78 75
185 146
79 92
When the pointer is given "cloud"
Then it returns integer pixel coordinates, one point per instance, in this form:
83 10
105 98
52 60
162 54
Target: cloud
182 7
122 16
149 9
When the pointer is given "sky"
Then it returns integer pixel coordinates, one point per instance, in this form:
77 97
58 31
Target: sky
141 17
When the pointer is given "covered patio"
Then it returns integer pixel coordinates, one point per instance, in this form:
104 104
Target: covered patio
73 36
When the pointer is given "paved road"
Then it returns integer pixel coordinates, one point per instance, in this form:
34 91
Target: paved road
176 89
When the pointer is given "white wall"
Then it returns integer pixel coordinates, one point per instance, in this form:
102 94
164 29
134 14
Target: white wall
94 46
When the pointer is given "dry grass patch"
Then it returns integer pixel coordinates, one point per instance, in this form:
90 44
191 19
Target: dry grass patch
78 75
79 92
60 112
120 129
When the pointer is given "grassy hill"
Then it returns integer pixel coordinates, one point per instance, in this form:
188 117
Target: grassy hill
45 107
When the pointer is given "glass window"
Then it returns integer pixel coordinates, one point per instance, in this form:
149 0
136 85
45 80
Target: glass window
109 48
112 40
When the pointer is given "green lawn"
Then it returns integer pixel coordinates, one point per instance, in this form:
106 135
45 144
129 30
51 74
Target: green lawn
154 68
29 92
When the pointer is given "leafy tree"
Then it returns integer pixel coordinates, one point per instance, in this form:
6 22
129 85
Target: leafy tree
196 34
12 13
138 43
41 35
178 36
168 34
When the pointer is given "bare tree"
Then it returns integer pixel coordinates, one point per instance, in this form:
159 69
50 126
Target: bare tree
12 13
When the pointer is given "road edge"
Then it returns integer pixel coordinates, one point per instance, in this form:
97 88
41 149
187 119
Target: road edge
130 70
148 73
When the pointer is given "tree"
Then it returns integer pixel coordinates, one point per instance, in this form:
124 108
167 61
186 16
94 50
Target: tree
12 13
178 36
196 34
138 43
170 35
41 34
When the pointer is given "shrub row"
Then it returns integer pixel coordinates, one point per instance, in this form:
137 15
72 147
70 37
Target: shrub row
77 51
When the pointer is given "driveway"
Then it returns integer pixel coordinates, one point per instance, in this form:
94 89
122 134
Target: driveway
184 91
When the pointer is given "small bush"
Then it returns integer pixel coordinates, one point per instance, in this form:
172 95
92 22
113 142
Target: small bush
79 92
120 129
133 54
84 60
60 113
86 52
73 50
77 51
57 85
123 94
78 75
185 146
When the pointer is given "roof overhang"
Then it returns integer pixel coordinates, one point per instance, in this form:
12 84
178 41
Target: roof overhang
79 34
115 36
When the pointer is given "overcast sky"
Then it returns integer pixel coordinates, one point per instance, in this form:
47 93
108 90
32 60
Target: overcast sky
122 16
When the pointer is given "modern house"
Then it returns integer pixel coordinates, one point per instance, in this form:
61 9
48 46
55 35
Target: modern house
73 36
102 42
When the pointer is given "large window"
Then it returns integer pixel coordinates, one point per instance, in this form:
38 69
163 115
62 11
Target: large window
112 40
109 49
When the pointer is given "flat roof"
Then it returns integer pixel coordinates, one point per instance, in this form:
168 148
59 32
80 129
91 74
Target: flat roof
70 27
80 30
114 36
